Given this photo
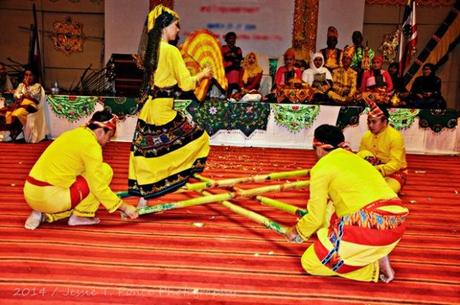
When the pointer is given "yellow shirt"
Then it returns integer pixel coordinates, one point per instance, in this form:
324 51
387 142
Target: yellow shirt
171 70
348 181
73 153
387 146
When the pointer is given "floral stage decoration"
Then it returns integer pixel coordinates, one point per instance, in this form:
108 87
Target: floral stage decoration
402 118
72 108
295 117
215 115
438 119
121 106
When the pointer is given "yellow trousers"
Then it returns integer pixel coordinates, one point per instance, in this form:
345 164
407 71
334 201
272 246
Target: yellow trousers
55 202
21 113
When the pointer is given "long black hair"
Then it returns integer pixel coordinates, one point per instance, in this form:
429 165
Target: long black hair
152 51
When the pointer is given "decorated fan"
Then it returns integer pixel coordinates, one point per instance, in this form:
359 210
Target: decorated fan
202 49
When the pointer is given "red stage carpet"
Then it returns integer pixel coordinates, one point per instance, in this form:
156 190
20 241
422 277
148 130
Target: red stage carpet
209 255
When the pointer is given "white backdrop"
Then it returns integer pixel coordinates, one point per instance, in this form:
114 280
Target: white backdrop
263 26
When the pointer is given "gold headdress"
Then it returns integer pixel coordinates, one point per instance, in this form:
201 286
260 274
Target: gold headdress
157 11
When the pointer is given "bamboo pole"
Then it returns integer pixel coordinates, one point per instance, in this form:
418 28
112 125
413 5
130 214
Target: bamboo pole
270 224
206 182
278 204
221 197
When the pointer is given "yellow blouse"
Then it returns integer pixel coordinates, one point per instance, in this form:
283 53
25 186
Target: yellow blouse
73 153
171 70
387 146
345 179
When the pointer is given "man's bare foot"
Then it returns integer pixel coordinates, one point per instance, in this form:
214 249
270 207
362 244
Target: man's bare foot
82 221
387 274
34 220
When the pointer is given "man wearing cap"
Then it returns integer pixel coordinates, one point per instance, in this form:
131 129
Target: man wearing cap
377 82
344 82
361 57
70 178
368 218
383 146
331 54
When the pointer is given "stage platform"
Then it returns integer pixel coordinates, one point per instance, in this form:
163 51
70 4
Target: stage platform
209 255
256 124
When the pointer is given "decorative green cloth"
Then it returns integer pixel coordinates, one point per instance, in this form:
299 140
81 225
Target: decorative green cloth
181 105
295 117
120 106
214 115
71 107
402 118
348 116
438 119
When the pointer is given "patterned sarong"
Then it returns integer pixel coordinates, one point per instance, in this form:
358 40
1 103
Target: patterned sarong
371 227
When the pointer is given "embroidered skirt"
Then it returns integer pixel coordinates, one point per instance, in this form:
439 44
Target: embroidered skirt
164 155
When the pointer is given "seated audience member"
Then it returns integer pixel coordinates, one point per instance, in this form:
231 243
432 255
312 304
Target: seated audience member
252 73
426 90
232 63
318 77
377 82
331 54
344 82
398 85
355 241
361 56
400 93
383 146
5 82
70 178
289 71
27 97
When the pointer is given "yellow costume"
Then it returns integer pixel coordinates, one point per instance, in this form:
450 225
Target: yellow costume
27 99
167 148
389 150
366 226
344 85
71 177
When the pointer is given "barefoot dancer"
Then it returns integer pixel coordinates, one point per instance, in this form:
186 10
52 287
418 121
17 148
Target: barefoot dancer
71 179
167 148
368 221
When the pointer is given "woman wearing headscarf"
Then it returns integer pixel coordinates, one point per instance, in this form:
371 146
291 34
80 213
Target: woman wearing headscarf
426 89
319 78
167 148
317 75
252 73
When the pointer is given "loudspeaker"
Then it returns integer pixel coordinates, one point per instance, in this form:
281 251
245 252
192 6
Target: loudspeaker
125 75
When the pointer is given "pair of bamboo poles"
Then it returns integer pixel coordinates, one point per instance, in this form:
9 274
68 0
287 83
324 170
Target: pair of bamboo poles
224 198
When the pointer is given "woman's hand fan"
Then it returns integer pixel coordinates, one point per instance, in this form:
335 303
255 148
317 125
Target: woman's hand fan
202 49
